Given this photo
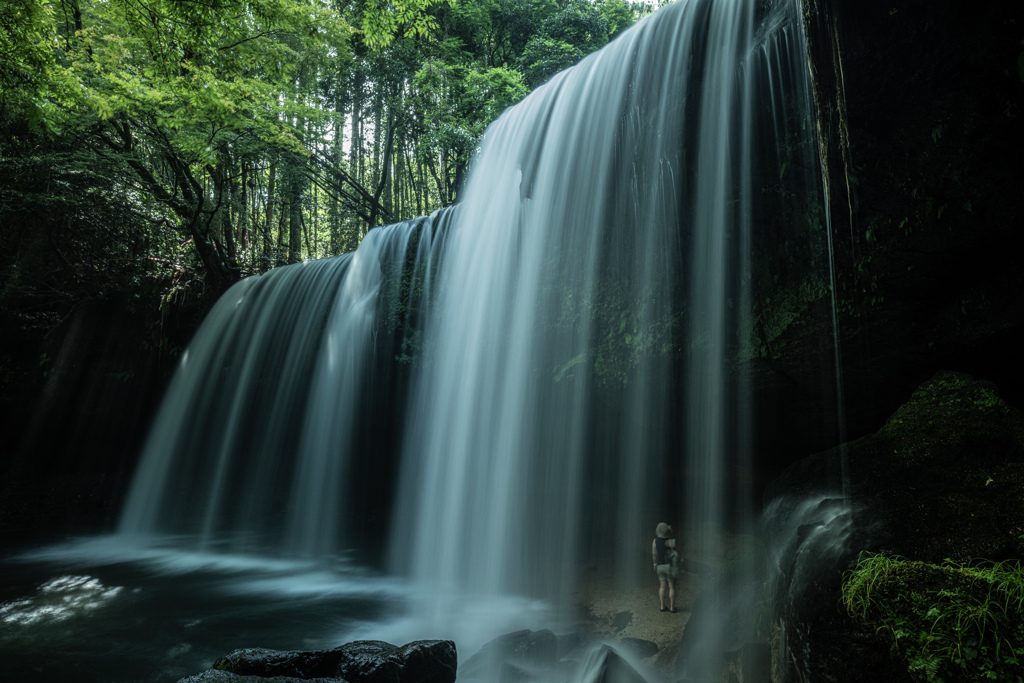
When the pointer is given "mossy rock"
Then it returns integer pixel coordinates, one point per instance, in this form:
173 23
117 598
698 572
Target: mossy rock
948 414
953 525
943 478
945 622
941 482
955 465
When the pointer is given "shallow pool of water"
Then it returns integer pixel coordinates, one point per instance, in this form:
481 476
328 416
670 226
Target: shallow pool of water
99 609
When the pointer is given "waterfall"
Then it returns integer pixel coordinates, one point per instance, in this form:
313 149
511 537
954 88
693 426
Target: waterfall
572 342
271 405
592 330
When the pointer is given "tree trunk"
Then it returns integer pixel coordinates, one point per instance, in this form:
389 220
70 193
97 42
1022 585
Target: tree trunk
339 158
268 224
295 220
282 226
385 171
243 208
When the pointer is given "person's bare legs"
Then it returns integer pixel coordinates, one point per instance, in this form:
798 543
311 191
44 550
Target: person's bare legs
661 594
671 596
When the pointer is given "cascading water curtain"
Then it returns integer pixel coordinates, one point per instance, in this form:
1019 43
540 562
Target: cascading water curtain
586 374
586 332
255 441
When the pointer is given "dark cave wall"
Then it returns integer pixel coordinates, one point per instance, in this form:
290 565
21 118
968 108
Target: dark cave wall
935 94
920 105
76 409
930 280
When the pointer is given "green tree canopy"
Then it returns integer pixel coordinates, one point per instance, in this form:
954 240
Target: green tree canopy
267 131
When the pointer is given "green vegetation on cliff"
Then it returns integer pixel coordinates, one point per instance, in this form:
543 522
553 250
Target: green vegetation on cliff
948 622
946 412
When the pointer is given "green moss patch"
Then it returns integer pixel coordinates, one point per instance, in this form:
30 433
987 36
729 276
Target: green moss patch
946 623
944 414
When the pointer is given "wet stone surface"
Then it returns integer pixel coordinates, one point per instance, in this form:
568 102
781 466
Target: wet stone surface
363 661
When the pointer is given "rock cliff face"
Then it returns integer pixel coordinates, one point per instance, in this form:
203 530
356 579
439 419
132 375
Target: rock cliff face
942 479
922 112
922 104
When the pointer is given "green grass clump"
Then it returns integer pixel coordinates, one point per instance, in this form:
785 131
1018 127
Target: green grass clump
946 622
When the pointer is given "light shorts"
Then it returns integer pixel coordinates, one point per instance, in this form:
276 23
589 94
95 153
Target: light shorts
665 572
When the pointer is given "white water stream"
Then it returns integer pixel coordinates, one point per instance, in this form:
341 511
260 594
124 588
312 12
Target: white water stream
583 322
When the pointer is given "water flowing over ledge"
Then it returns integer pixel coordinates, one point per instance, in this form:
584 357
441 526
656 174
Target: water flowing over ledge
481 399
586 374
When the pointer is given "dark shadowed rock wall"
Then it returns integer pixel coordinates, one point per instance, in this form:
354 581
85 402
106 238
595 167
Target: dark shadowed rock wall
922 104
942 480
924 120
76 410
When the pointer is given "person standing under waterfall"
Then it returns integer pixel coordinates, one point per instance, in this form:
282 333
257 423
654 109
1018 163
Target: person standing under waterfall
666 562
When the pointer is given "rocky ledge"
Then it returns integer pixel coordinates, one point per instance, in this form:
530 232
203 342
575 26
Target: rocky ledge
361 661
517 657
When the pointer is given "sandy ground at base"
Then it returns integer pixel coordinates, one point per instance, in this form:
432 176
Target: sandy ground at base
617 608
617 611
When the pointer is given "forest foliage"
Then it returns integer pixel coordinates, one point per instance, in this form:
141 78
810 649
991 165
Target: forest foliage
154 152
193 143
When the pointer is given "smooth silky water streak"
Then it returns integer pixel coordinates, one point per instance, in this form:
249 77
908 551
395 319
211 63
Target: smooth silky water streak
495 462
252 443
829 32
626 171
342 379
716 430
232 406
336 392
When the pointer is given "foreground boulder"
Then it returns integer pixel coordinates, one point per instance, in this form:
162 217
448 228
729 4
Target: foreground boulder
605 665
517 656
526 656
218 676
361 661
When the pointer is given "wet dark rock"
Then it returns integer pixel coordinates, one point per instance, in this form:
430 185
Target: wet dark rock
640 647
941 479
211 675
622 620
521 649
428 661
372 661
607 666
218 676
267 663
526 656
363 661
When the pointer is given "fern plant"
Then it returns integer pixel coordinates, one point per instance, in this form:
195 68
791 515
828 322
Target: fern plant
946 623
